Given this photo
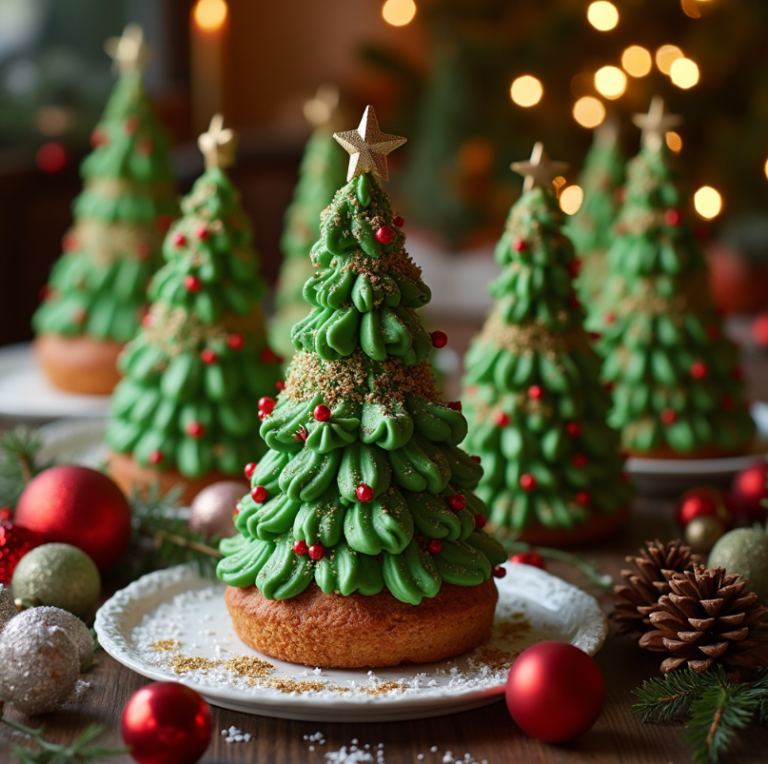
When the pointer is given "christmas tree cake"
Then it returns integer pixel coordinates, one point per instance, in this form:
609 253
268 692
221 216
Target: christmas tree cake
676 379
361 541
321 173
535 404
95 298
184 412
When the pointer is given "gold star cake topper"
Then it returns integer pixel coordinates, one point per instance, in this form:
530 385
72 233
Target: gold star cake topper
128 52
368 146
322 109
539 170
656 123
218 145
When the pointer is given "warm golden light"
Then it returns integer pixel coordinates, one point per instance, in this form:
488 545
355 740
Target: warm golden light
636 61
610 82
684 73
589 111
571 199
666 55
674 141
765 168
210 15
398 13
526 91
603 15
708 202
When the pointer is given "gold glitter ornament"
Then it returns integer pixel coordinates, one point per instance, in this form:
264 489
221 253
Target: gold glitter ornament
368 146
702 533
58 575
38 669
7 606
744 551
212 509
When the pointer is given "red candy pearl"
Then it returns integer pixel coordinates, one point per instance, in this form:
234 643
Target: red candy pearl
194 429
364 493
699 502
148 321
457 502
583 498
155 457
535 392
249 469
300 547
317 551
202 233
267 355
398 220
532 558
280 384
580 460
321 413
499 572
668 416
435 546
267 404
476 459
259 494
573 429
502 419
520 245
673 217
208 356
609 318
698 370
235 341
179 239
480 522
384 235
439 339
192 283
527 482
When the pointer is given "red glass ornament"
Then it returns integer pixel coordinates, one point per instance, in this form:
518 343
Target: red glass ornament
480 522
439 339
15 542
555 692
235 341
398 220
749 491
502 419
300 547
573 429
535 392
435 546
668 416
268 355
364 493
51 157
249 469
698 370
317 551
208 357
167 723
194 430
457 502
583 498
476 459
76 505
267 404
322 413
384 235
673 217
280 384
192 284
202 233
499 572
527 482
520 245
703 501
528 558
259 494
580 460
178 239
155 457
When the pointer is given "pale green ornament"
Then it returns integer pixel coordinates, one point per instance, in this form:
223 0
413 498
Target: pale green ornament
744 551
58 575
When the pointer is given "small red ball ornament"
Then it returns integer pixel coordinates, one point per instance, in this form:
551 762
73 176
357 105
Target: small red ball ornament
673 217
155 457
528 558
259 494
476 459
698 370
235 341
705 501
280 384
439 339
520 245
580 460
364 493
249 469
555 692
167 723
457 502
573 429
480 522
268 355
267 404
15 542
668 416
179 239
749 491
300 547
502 419
499 572
583 498
322 413
208 357
384 235
76 505
192 284
435 546
194 430
535 392
202 233
317 551
398 220
527 482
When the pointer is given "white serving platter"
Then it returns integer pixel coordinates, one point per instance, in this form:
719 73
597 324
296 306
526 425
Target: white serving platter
176 618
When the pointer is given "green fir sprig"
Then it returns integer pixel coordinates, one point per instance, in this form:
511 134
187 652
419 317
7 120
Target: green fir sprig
713 708
19 462
86 749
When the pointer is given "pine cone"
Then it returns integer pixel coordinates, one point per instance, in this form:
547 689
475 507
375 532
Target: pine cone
646 583
708 617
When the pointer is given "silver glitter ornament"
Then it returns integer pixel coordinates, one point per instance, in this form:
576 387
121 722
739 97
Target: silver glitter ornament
744 551
212 509
7 606
38 669
50 617
59 575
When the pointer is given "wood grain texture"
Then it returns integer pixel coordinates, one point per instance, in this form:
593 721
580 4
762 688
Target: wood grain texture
487 733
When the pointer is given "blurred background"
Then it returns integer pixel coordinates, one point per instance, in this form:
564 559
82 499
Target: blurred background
471 83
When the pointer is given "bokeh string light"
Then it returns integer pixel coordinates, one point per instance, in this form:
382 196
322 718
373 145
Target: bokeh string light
674 141
526 91
610 82
210 15
398 13
603 15
589 111
571 199
708 202
666 55
684 73
637 61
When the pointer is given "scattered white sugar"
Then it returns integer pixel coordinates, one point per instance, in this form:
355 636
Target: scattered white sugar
433 749
234 735
420 757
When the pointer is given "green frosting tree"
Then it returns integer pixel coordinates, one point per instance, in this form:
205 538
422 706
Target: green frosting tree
534 401
591 228
364 486
321 173
677 387
201 358
98 287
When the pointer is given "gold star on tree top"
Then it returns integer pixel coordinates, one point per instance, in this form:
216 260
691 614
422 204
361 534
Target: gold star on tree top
539 170
368 146
655 124
322 109
128 52
218 145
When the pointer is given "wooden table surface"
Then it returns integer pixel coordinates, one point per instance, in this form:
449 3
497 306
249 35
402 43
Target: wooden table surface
486 733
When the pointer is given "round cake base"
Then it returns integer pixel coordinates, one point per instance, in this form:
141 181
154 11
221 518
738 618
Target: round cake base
709 452
79 364
333 631
128 474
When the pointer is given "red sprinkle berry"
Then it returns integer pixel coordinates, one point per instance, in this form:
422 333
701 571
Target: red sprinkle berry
499 572
259 494
300 547
70 243
502 419
454 405
480 522
235 341
178 239
364 493
527 482
317 551
535 392
249 469
202 233
267 355
280 384
583 498
457 502
435 546
439 339
580 460
321 413
609 318
668 416
155 457
301 434
673 217
520 245
192 284
148 321
384 235
194 429
267 404
528 558
573 429
208 357
699 370
476 459
398 220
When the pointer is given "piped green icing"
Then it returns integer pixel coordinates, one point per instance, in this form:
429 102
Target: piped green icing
362 352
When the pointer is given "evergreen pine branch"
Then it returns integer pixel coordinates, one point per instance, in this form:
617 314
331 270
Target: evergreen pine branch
669 698
84 750
19 462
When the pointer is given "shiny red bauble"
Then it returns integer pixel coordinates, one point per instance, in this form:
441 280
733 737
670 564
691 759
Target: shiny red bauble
384 235
760 330
167 723
322 413
364 492
555 692
76 505
749 490
705 501
528 558
439 339
15 542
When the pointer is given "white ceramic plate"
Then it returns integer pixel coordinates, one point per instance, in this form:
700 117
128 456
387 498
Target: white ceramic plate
75 441
176 604
25 393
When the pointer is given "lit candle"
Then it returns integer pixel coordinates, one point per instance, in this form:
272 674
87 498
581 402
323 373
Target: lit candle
209 27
